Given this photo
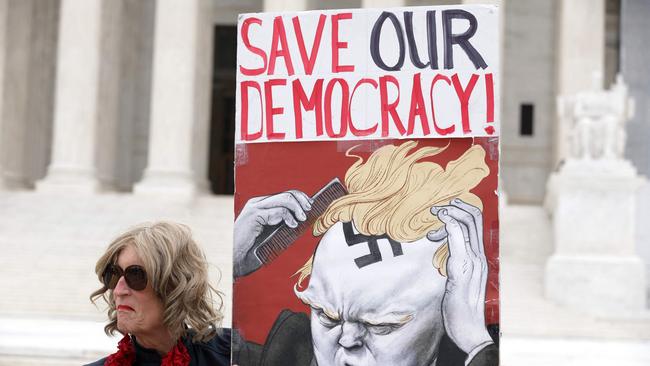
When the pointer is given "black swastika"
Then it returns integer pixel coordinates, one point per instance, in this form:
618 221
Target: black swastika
375 255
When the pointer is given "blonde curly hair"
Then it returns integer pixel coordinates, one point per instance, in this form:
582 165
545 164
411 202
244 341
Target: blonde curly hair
392 192
178 272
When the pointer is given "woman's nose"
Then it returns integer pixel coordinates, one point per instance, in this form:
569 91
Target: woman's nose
121 288
352 334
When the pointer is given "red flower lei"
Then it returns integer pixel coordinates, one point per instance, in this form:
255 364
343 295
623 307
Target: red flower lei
125 355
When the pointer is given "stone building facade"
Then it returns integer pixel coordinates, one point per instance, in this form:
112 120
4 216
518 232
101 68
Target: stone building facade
115 112
138 95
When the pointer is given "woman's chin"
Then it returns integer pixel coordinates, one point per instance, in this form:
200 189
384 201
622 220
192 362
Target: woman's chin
125 327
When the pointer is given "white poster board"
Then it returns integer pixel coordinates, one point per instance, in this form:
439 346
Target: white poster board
368 74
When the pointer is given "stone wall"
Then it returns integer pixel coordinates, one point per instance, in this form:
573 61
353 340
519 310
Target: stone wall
528 68
635 57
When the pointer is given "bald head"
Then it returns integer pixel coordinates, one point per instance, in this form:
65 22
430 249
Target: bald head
371 294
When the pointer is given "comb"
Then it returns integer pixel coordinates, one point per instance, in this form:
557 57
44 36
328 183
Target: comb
277 238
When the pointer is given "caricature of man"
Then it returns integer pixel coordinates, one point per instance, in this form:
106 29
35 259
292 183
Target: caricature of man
399 266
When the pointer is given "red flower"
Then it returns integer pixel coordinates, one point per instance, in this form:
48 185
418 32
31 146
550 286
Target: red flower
125 355
178 356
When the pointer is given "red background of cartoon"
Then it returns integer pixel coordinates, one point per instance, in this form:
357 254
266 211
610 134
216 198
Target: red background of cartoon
269 168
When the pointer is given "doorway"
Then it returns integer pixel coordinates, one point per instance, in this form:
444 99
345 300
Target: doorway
222 120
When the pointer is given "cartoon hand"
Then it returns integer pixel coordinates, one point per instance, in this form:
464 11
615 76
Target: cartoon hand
463 306
264 211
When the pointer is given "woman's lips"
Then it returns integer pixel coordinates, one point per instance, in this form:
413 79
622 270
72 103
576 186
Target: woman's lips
125 308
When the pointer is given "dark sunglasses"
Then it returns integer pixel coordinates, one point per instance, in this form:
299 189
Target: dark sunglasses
135 276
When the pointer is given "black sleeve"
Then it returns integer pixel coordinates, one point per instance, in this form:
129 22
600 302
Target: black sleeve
214 352
488 356
287 344
245 353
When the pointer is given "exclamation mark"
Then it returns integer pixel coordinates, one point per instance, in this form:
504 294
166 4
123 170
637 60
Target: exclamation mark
489 96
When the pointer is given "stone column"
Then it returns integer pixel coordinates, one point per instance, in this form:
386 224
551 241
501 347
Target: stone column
178 130
108 94
135 86
635 22
42 83
580 55
286 5
28 64
72 166
16 36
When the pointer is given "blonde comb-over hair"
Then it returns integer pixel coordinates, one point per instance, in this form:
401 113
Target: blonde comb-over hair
392 193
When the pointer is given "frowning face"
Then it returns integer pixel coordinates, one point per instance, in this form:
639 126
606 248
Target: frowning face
138 312
374 307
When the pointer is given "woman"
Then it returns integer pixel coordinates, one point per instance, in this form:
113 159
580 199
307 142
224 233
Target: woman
155 282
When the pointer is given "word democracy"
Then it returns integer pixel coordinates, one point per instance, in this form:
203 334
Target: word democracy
280 95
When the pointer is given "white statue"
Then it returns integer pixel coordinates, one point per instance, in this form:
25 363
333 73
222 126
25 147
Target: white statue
597 122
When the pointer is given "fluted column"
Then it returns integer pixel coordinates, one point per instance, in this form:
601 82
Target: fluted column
72 166
580 56
15 37
178 130
111 75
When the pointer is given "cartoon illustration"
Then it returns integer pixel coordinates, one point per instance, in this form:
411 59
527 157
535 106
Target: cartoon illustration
399 273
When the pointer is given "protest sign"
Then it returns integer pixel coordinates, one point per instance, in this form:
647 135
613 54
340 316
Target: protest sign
366 228
402 73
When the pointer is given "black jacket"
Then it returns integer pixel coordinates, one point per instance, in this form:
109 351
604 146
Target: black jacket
215 352
289 343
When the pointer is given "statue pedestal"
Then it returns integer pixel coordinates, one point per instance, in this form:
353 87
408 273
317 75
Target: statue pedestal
594 267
